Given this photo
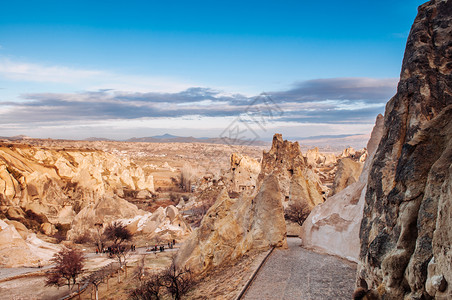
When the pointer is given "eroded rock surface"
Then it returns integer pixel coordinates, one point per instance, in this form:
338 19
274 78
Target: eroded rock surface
21 248
333 226
59 183
348 172
233 227
405 233
244 172
298 181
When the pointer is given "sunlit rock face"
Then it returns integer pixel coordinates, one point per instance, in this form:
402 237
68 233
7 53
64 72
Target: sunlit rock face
405 233
232 227
333 226
21 248
243 173
58 183
297 180
348 172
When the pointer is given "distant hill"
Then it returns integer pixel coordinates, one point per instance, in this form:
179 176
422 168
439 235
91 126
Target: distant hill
335 142
168 138
97 139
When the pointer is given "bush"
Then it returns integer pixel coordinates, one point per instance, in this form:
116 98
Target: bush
84 238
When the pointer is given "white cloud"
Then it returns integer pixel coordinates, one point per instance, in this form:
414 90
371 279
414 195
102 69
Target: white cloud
87 79
39 73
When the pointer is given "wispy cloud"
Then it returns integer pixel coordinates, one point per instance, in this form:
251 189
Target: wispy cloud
363 89
87 79
337 100
39 73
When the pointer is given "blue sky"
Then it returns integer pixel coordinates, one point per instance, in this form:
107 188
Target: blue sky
74 69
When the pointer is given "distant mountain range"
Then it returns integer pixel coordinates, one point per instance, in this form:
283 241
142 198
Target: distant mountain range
322 141
168 138
165 138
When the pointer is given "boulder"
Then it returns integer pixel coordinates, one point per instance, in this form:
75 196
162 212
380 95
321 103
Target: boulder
408 204
17 251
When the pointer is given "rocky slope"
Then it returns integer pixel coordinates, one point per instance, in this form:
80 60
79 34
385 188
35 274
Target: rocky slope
405 233
333 226
19 247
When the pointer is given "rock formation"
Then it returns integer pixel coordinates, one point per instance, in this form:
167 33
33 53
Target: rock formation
20 248
333 226
59 183
348 172
167 223
298 182
315 158
244 173
405 233
233 227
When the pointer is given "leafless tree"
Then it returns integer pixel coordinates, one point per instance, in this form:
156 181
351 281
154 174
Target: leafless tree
68 266
96 278
178 281
117 233
297 212
151 289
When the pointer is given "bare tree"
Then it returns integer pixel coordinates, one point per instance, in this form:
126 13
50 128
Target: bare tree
68 266
150 290
297 212
96 278
186 176
178 281
117 233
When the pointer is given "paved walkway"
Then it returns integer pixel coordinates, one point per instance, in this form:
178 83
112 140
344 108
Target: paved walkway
297 273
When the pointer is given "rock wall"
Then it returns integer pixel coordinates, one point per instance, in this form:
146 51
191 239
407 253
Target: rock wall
233 227
297 180
405 233
244 172
333 226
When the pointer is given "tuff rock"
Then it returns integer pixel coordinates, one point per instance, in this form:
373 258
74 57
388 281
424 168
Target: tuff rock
233 227
408 204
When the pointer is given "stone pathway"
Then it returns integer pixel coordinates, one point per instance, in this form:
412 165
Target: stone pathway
298 273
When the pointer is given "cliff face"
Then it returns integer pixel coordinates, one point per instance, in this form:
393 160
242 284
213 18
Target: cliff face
405 233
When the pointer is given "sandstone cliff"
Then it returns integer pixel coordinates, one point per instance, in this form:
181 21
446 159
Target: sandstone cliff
333 226
405 233
233 227
297 180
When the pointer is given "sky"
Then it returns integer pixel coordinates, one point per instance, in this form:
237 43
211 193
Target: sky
122 69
